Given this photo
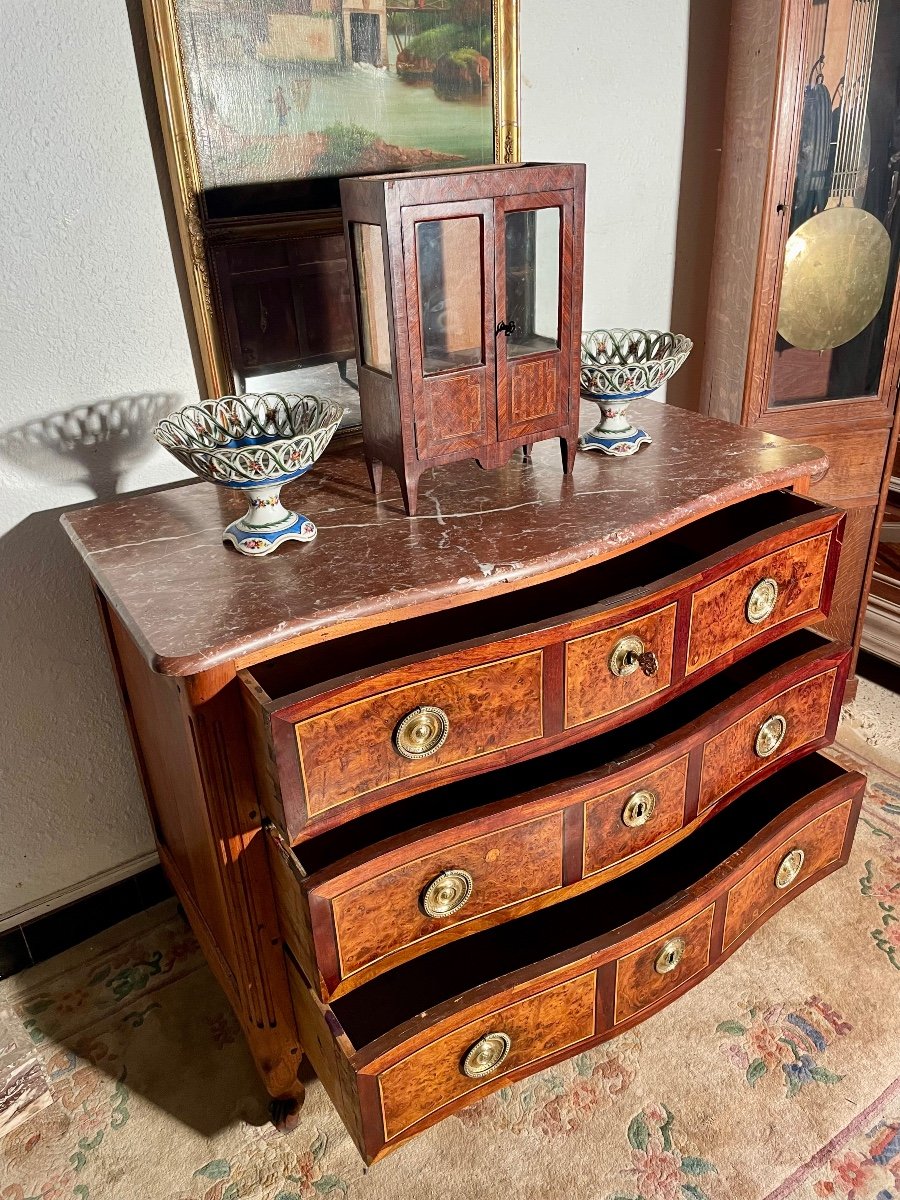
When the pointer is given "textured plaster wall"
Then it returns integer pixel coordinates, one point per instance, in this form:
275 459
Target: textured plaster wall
604 83
90 312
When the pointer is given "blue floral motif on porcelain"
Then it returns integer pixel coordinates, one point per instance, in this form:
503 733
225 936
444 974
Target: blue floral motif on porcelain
621 365
255 443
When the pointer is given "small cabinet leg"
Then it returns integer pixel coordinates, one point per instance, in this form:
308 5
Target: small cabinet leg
526 451
285 1110
409 489
376 471
567 447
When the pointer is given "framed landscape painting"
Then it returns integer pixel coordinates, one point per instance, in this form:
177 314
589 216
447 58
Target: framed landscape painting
265 104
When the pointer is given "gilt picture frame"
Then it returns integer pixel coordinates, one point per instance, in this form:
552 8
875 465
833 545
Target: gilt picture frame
259 118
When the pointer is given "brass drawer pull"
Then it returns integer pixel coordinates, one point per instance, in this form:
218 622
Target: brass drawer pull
789 868
486 1055
447 893
421 732
669 956
639 809
761 601
628 654
770 735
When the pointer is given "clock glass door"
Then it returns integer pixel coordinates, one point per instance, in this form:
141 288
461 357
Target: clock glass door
843 236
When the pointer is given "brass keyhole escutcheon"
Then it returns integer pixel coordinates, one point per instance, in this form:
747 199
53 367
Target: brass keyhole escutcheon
770 735
486 1055
789 868
421 732
669 956
762 600
629 654
639 809
447 893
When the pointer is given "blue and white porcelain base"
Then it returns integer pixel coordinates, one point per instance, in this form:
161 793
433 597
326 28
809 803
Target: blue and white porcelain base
618 444
267 524
614 434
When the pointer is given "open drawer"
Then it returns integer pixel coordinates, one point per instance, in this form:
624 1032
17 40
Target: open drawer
346 726
406 1049
356 901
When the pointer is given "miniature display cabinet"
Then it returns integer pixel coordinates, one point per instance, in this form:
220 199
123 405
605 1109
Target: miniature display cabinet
468 313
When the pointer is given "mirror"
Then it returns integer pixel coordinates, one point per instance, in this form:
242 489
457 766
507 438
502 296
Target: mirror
264 105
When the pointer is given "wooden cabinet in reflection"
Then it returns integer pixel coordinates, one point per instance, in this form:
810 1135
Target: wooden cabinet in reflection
284 302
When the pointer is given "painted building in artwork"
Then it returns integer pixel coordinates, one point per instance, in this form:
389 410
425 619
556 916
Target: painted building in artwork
327 31
365 31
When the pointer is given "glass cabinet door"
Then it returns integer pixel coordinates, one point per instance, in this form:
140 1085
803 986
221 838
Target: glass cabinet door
450 305
533 313
843 243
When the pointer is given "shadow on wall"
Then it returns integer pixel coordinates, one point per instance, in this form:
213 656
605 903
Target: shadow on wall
92 445
65 755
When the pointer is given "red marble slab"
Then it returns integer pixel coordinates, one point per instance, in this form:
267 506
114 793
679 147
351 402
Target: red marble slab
192 603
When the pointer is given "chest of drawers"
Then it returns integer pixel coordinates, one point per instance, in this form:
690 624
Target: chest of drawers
448 799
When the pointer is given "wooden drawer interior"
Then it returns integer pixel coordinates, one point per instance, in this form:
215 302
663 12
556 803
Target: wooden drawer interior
395 1051
353 899
369 1012
634 572
519 673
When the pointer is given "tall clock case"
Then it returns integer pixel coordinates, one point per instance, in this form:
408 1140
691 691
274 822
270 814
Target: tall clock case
803 332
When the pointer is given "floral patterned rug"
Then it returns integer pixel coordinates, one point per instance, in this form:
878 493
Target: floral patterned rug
123 1077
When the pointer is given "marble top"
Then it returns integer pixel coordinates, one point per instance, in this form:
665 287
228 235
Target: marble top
192 603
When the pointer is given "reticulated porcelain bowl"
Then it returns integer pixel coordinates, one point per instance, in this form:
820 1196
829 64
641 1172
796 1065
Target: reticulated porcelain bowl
256 443
619 365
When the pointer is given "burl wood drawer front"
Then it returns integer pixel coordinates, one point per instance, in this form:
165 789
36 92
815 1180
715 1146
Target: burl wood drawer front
413 1045
629 819
349 751
790 864
594 689
797 717
646 975
481 875
744 604
434 1077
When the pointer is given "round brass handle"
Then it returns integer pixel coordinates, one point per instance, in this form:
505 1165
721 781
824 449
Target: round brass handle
447 893
762 600
639 808
629 654
789 868
486 1055
770 735
669 956
421 732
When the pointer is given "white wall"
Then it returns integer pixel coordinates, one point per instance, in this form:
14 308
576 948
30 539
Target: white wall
90 311
603 82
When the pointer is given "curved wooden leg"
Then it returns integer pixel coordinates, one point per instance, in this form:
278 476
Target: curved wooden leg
376 471
568 446
285 1110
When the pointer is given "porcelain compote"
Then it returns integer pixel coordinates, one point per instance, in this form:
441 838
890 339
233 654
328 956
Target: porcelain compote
618 366
256 444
